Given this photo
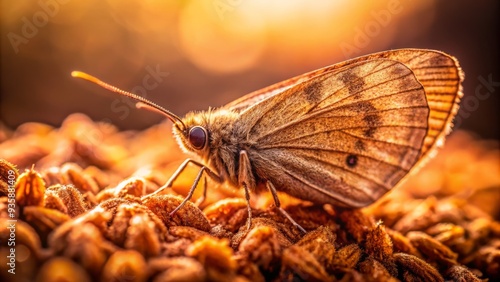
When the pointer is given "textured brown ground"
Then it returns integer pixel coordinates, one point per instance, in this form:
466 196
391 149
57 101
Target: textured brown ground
81 217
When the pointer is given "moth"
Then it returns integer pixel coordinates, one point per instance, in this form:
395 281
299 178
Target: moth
342 135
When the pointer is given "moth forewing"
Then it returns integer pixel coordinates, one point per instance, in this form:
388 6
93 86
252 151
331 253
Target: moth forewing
344 137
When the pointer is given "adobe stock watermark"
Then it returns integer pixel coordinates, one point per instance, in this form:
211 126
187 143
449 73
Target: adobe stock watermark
30 28
11 222
363 36
470 103
222 7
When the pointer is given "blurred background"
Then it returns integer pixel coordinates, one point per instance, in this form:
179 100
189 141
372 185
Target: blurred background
190 55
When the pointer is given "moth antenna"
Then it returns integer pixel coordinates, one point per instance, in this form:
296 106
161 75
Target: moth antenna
141 105
142 102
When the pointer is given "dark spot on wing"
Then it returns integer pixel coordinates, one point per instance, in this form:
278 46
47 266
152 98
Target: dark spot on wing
352 82
370 131
372 122
364 107
359 145
313 91
351 161
399 70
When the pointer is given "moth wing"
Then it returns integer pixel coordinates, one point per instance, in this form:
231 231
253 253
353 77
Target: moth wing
439 74
345 136
255 97
442 78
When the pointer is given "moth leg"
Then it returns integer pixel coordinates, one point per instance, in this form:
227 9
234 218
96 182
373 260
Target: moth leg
249 209
277 203
246 179
204 195
191 191
177 173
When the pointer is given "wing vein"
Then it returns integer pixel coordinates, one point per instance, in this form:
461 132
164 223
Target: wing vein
377 140
281 146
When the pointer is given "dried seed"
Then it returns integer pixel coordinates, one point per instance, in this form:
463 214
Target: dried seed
73 174
320 243
142 236
479 229
347 257
44 220
262 247
216 256
134 226
219 232
379 245
251 271
415 269
401 244
62 269
262 222
188 215
30 189
98 217
433 249
297 263
187 232
231 213
134 186
356 223
86 245
257 223
446 232
461 274
8 177
176 269
212 252
488 260
429 213
175 248
418 218
375 270
101 178
125 266
52 176
66 199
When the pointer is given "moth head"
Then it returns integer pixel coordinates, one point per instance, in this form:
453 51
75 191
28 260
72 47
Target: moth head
194 138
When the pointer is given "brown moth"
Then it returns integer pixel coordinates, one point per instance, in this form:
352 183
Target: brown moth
343 135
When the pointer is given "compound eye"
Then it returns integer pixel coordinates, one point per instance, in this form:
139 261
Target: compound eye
198 137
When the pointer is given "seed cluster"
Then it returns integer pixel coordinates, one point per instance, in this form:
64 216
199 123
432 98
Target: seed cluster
80 214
